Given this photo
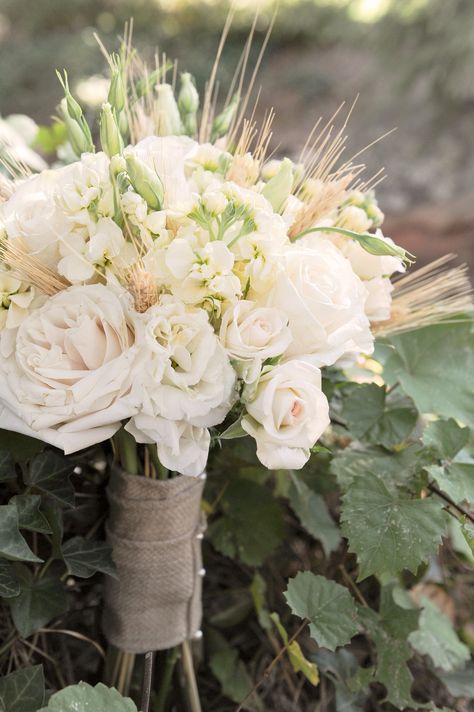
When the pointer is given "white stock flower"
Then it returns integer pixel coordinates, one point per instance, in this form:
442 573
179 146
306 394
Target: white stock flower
354 218
181 447
68 381
201 274
168 155
187 374
324 301
251 334
15 300
288 415
84 187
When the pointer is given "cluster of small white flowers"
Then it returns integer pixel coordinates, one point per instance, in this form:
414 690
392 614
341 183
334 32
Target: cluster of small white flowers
187 302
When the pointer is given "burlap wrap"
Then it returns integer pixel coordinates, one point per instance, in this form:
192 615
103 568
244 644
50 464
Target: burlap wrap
154 528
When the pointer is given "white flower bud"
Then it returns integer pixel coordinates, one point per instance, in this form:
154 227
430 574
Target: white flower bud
167 112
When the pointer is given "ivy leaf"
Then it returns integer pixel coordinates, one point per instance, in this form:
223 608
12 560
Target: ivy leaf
22 690
21 447
431 364
12 544
84 697
328 606
29 514
456 479
253 523
7 466
312 511
40 600
363 408
446 437
390 531
84 558
298 661
9 584
50 473
436 638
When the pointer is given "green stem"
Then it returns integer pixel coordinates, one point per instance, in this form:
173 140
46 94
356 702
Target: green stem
172 656
127 450
161 471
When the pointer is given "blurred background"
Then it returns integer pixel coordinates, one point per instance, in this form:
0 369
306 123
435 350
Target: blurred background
410 61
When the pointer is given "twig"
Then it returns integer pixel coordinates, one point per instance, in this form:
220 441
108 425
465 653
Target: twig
447 499
270 667
147 681
353 586
191 684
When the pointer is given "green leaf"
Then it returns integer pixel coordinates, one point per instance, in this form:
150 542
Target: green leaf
432 364
436 638
456 479
312 511
84 558
49 138
22 690
446 437
7 466
388 632
298 661
29 514
50 473
258 591
12 544
468 532
21 447
459 683
253 523
390 531
233 677
235 430
393 468
363 408
40 600
329 607
9 584
394 426
84 698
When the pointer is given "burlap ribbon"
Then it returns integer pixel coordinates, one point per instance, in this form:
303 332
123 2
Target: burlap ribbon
155 528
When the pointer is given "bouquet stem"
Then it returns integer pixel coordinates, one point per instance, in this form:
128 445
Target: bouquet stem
172 656
191 687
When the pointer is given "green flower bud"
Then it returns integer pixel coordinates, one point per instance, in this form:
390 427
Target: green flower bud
188 104
116 96
80 140
110 137
144 180
223 121
280 186
167 112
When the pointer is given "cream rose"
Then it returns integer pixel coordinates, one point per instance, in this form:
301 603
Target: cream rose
379 300
251 334
288 415
325 303
187 374
181 447
68 381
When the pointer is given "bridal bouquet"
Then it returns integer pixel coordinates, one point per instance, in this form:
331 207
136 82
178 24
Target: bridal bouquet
173 280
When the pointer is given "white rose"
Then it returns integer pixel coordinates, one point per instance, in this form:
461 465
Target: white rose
379 300
67 382
251 334
168 155
288 415
181 447
325 303
187 374
33 220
